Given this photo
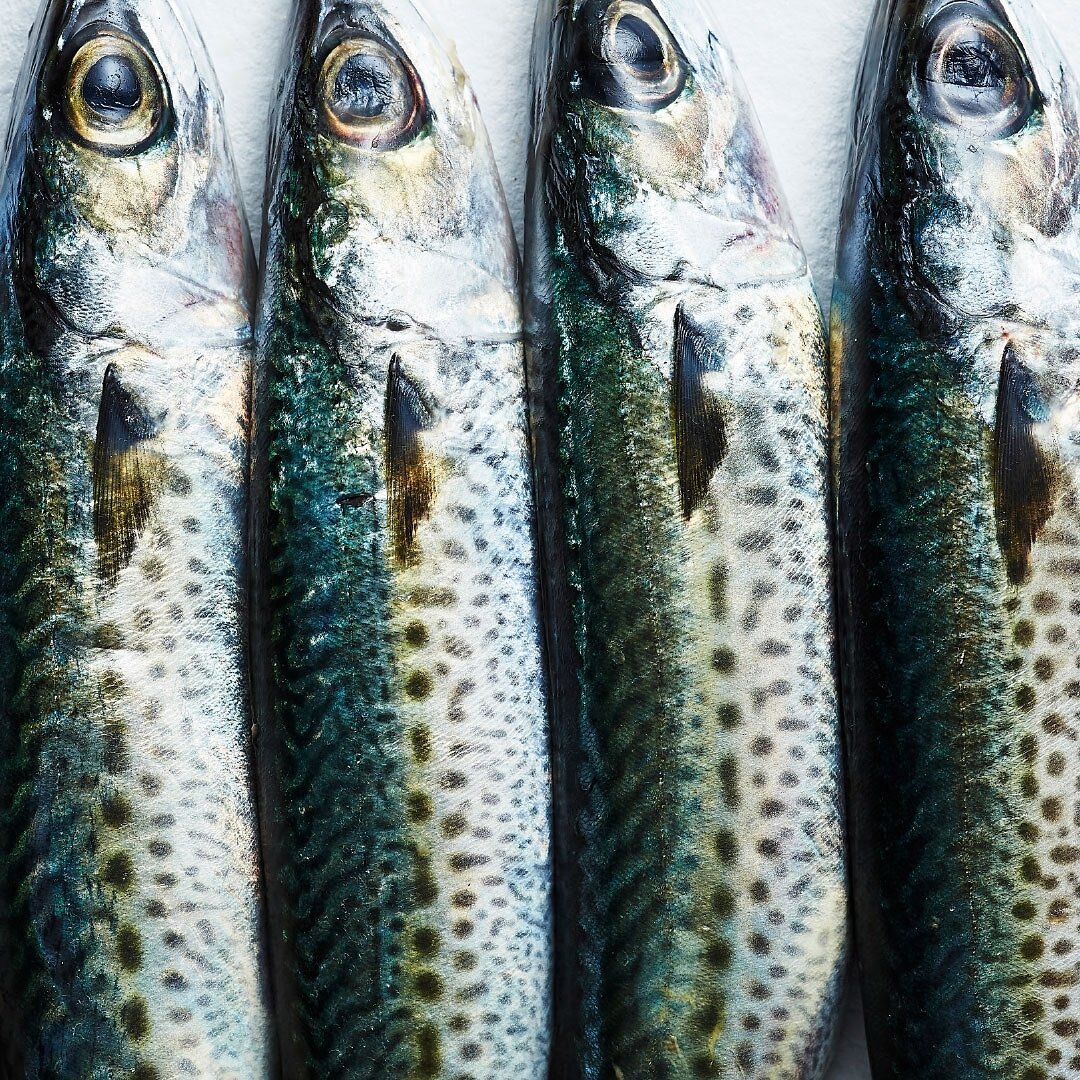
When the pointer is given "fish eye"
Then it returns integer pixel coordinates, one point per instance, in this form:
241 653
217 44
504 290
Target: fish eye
371 94
114 95
630 59
975 74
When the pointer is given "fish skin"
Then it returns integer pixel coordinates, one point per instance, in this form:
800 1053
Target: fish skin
955 368
403 736
130 919
678 397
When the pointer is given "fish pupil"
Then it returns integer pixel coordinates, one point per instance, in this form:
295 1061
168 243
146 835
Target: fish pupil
111 87
974 65
639 46
365 86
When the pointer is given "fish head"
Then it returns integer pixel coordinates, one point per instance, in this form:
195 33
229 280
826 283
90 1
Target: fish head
975 112
121 186
405 220
657 166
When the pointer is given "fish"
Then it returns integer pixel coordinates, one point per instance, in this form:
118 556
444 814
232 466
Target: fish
678 402
131 927
397 659
955 374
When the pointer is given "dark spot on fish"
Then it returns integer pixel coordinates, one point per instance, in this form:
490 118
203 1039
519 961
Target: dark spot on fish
759 944
454 781
129 948
145 1071
459 1023
463 899
1024 634
769 848
429 1058
463 960
1066 1028
729 716
156 909
1028 831
759 892
718 588
173 980
1065 854
1055 763
426 942
1025 698
421 743
1044 668
416 634
116 811
119 871
724 661
454 825
425 889
419 807
419 685
135 1019
727 847
718 955
463 928
1032 948
1033 1010
461 862
1029 748
429 985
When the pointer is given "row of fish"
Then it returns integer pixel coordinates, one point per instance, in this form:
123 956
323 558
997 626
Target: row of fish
319 760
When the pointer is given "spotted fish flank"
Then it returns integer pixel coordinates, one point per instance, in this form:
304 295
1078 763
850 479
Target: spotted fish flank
955 374
678 393
403 740
130 921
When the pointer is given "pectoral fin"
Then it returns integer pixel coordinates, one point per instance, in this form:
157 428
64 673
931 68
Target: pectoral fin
128 476
1026 474
701 440
410 480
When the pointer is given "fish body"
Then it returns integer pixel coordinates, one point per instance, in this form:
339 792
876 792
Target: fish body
403 733
679 415
130 924
956 376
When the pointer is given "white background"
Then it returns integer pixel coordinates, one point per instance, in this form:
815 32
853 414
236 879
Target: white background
798 57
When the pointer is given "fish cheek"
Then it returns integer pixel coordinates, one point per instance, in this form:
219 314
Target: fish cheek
115 194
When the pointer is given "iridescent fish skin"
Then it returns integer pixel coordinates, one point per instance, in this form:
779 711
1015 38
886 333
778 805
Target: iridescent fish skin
130 924
678 398
403 730
956 344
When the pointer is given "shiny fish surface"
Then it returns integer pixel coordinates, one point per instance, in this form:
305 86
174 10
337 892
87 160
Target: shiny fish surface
957 357
678 390
130 932
401 707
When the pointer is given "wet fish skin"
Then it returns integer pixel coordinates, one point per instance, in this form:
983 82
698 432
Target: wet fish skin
678 400
954 354
398 677
130 919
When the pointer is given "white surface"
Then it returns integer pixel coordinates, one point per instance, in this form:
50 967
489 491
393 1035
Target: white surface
798 57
